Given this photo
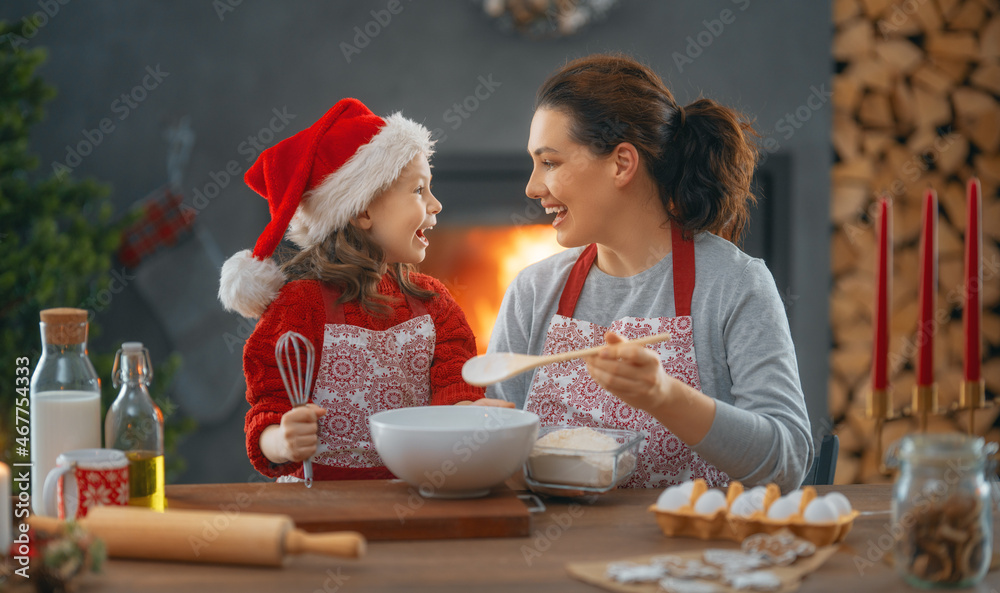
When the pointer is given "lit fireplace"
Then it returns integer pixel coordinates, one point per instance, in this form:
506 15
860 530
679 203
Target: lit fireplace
478 263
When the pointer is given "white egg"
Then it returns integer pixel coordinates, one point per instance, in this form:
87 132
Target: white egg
839 502
710 502
819 510
783 508
742 506
685 487
748 503
795 495
672 499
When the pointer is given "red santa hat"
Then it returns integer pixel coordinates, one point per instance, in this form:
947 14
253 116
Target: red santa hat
315 182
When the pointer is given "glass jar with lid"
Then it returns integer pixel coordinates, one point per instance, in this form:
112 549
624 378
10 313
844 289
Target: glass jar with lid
942 508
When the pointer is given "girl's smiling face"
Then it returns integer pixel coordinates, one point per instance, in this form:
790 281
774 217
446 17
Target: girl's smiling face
400 216
570 181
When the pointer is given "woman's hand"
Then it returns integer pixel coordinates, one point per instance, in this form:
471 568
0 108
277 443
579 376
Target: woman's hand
296 438
632 373
489 402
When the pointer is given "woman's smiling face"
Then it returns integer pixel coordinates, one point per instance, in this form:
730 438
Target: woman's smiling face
569 180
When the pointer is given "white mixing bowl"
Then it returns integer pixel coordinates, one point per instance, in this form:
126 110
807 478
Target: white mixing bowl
453 451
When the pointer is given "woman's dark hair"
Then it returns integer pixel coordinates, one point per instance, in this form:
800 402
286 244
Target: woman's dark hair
351 260
701 156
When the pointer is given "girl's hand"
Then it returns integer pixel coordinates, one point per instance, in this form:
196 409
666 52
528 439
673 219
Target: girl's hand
295 439
489 402
631 373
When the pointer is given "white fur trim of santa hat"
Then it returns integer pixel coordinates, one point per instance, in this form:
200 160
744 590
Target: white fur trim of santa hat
349 190
248 285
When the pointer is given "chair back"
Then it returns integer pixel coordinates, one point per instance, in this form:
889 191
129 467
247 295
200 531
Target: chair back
824 465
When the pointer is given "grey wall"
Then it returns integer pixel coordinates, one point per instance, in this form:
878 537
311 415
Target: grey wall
229 74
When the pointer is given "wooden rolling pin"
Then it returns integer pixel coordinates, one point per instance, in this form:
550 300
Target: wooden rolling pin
207 536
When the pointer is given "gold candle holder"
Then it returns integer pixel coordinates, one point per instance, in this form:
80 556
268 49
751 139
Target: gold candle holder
972 397
878 405
925 403
878 409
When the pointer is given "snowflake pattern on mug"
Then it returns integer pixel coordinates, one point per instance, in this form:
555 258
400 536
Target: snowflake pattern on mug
564 393
96 487
352 388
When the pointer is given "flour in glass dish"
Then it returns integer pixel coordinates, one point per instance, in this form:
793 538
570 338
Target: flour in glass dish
586 439
588 459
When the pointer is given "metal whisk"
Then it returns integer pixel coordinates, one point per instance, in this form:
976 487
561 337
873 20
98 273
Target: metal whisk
295 356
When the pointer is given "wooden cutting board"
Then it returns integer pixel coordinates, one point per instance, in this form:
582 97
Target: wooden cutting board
379 509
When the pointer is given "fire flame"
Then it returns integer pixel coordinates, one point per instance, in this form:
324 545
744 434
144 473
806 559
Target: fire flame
477 264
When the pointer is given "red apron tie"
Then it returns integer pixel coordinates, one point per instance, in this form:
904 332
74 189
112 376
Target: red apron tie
684 276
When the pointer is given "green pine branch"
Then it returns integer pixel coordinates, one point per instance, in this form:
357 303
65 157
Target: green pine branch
58 238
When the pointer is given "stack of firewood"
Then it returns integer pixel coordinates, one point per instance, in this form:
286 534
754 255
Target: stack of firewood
916 105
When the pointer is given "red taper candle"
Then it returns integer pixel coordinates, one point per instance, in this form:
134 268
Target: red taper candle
928 290
973 282
883 287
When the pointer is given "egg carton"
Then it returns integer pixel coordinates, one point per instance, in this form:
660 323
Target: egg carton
722 524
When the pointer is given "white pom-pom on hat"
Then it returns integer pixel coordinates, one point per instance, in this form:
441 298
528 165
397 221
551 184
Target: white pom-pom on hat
248 285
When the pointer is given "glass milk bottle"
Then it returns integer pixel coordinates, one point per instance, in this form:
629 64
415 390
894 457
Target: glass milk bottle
134 424
65 405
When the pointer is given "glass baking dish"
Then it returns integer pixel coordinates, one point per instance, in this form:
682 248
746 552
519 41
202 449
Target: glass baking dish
569 472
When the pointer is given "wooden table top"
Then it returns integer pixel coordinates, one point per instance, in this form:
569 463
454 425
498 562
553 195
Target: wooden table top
615 526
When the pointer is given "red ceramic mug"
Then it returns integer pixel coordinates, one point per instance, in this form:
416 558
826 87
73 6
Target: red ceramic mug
84 479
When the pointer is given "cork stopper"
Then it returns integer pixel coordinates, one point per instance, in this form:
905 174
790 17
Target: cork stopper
65 325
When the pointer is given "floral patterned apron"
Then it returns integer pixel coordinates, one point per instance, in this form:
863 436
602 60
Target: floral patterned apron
564 393
361 372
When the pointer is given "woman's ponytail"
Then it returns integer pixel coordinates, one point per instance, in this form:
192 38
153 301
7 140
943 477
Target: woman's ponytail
706 169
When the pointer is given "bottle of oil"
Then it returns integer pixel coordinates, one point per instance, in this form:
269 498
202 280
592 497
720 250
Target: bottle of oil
134 424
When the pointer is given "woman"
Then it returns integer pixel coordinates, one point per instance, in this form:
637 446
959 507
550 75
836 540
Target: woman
647 195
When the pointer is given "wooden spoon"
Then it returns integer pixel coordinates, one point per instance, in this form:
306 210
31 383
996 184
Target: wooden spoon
488 369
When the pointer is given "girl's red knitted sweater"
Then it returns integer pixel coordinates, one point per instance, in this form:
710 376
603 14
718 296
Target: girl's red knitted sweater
299 307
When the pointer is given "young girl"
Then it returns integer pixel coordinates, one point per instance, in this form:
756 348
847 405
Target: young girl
646 193
353 192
